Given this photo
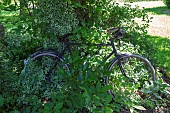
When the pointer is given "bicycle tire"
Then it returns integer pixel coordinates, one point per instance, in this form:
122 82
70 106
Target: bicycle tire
135 67
45 70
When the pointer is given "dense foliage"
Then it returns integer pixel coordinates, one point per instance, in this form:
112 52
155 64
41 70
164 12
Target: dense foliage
167 3
41 23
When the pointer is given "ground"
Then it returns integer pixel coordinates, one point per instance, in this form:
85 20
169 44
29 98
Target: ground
160 25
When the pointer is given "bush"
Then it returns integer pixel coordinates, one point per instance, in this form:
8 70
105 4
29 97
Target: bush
42 30
83 91
55 17
167 3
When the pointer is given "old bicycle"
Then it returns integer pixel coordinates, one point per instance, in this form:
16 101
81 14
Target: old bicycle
132 67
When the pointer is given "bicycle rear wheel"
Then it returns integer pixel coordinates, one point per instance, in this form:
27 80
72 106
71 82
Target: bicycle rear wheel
44 73
138 73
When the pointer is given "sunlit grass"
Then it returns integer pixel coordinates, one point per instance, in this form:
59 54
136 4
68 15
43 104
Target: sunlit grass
162 45
163 10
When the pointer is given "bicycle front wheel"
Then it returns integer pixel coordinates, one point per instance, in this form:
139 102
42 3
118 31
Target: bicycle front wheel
132 74
44 74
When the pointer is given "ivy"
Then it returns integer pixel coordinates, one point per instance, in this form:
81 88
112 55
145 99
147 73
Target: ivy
41 23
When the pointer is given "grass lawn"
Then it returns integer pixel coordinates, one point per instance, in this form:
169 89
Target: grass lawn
159 10
159 33
162 55
162 42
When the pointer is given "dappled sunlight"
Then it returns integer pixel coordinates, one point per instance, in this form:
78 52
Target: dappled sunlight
163 51
160 26
42 72
160 23
147 4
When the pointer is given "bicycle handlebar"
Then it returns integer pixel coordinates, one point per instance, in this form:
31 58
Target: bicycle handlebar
112 29
118 32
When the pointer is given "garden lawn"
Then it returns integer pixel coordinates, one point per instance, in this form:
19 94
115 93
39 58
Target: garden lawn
162 55
159 32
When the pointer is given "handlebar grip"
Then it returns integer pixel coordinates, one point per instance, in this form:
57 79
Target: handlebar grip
112 29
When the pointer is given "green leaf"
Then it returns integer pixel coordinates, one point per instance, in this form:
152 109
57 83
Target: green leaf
88 99
98 86
139 107
15 111
46 108
146 91
6 2
58 106
96 100
106 88
75 111
57 111
46 111
83 88
1 100
157 96
97 110
92 78
108 98
12 8
109 110
85 67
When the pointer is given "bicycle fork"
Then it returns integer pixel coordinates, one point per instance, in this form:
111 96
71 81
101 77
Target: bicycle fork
122 69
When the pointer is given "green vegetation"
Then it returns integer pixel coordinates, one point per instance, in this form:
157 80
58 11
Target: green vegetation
28 28
167 3
159 10
162 46
136 0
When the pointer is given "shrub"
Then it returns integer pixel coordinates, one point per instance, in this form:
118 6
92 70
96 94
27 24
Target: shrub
55 17
42 31
83 91
167 3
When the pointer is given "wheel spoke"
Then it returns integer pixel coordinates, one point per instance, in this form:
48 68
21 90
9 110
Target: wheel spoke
44 73
139 75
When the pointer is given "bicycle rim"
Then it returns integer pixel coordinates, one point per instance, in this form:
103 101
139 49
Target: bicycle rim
140 75
45 72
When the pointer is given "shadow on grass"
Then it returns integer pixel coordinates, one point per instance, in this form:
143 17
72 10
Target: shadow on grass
162 55
159 10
